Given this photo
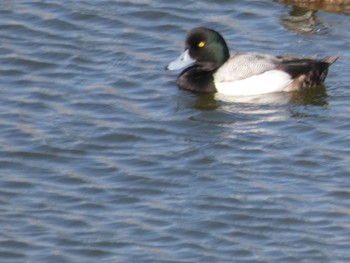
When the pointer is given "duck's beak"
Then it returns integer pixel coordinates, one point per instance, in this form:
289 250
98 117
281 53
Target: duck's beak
183 61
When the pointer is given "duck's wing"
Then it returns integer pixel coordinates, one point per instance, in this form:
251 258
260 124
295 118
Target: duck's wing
296 66
306 73
245 65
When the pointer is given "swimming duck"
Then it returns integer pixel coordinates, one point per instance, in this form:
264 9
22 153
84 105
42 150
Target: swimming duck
209 68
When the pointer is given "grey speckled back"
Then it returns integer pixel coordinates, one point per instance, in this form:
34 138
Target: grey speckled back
244 65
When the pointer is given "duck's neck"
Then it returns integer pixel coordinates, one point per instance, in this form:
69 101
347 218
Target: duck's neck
197 79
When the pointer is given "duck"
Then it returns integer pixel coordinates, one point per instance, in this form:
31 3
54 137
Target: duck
208 67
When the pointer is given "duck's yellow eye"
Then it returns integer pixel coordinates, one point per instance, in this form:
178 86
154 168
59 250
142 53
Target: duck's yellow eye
201 44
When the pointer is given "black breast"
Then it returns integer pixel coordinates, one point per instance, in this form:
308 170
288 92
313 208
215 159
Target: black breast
197 80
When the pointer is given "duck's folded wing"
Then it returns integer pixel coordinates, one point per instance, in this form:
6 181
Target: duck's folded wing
296 66
245 65
306 72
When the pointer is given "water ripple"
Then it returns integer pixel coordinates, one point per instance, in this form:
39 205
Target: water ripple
103 159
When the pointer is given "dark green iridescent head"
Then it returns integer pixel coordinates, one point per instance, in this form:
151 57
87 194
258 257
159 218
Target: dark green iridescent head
207 47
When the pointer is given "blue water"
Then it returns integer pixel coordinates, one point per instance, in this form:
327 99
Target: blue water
104 159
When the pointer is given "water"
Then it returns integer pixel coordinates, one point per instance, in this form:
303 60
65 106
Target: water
103 159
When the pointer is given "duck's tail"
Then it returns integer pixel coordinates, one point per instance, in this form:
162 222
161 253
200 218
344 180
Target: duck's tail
319 72
331 59
307 73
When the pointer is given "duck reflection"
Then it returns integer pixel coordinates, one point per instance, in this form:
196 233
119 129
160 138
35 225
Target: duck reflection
308 97
315 97
334 6
302 21
303 17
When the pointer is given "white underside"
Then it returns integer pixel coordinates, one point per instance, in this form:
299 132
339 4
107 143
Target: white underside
267 82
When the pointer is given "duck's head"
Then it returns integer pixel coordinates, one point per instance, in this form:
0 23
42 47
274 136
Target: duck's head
204 48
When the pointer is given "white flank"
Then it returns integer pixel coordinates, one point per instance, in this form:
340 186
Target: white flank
267 82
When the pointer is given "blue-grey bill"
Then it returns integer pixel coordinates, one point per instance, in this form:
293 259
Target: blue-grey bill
183 61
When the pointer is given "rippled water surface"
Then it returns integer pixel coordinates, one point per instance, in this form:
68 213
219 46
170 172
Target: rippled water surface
103 159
